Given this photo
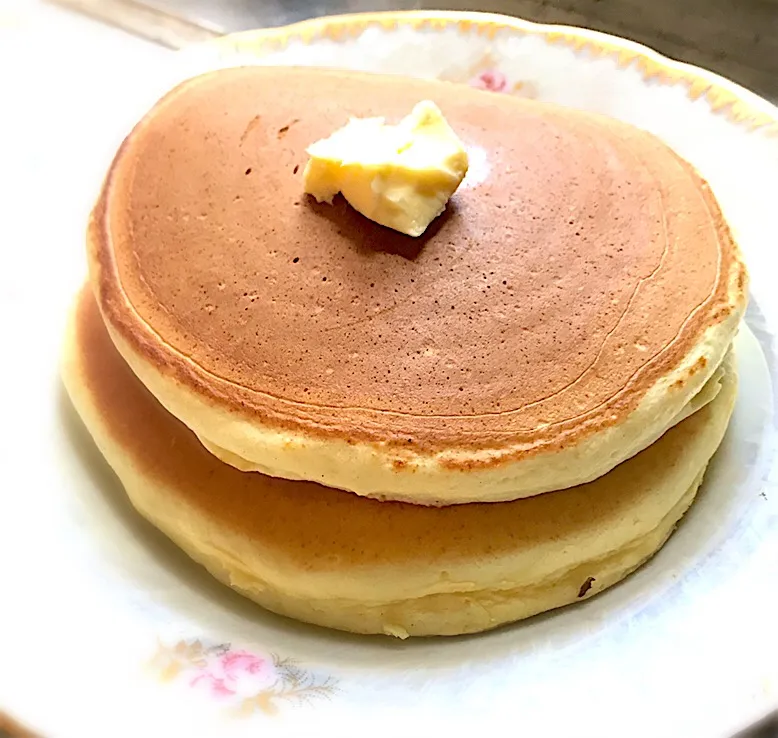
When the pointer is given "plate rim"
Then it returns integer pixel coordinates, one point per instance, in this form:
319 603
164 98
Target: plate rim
738 104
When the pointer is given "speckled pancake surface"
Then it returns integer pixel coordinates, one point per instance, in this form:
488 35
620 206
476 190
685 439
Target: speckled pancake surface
581 287
344 561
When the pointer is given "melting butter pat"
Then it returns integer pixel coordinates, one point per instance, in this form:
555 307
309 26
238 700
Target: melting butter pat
400 176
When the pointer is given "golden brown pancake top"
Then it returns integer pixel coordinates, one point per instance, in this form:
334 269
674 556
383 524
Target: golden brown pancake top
322 528
550 296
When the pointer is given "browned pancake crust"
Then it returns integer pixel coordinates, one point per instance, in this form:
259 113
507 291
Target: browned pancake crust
322 529
539 309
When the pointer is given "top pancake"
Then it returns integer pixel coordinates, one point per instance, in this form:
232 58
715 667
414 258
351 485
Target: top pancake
579 290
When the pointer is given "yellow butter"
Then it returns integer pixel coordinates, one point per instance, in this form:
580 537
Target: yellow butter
400 176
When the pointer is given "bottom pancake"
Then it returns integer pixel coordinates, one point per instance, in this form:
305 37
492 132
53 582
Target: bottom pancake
353 563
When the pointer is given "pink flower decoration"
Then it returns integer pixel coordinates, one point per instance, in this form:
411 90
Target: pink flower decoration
491 80
235 673
215 685
236 663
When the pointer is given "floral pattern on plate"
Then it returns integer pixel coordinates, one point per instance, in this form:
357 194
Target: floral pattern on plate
244 681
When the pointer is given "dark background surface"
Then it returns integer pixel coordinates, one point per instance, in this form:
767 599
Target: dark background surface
765 729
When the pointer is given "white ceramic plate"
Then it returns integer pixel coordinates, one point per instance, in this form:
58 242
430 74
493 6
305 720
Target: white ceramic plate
108 630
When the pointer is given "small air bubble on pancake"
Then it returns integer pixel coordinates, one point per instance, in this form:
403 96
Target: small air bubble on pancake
248 171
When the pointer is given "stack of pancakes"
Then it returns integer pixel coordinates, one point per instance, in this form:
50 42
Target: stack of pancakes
392 435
